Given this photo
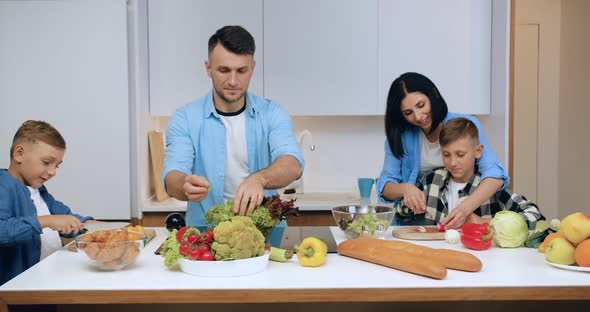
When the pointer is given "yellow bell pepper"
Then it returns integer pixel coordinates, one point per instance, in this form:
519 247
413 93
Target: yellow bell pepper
312 252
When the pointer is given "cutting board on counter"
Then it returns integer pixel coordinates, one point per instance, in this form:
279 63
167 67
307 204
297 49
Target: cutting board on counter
156 146
418 233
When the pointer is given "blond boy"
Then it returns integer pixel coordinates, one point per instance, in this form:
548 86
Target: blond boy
31 220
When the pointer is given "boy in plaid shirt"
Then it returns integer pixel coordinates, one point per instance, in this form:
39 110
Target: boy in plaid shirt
446 187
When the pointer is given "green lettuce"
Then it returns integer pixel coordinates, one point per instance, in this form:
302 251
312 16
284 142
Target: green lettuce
511 229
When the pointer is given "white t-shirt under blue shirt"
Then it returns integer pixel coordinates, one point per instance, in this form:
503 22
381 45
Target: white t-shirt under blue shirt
50 240
236 155
430 156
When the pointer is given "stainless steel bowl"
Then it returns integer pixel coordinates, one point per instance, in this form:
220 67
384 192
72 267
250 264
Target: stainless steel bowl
363 220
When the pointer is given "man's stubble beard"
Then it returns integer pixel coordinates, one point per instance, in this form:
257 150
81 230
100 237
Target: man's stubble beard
226 100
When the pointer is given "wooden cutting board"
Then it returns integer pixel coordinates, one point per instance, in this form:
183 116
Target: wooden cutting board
149 235
414 233
156 147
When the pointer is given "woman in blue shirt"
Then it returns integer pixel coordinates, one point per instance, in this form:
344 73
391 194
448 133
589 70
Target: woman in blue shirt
416 112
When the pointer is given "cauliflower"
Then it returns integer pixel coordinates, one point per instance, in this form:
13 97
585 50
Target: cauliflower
237 239
265 217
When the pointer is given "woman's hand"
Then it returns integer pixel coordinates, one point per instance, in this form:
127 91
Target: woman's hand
414 198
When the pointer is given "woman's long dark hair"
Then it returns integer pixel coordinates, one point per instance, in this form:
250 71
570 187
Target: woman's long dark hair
395 123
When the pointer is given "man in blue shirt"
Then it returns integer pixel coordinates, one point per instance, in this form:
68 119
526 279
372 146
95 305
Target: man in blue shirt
230 143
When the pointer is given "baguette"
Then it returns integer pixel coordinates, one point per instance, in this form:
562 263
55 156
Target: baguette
450 259
397 259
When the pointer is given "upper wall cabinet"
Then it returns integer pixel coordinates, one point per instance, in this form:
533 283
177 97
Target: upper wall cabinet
320 57
65 62
179 31
448 41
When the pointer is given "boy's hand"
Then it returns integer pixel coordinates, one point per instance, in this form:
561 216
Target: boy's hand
414 198
196 188
473 218
457 217
65 224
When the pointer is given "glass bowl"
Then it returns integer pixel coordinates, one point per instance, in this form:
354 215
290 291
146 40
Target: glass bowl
111 250
363 220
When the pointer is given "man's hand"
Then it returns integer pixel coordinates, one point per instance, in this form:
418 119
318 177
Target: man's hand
249 195
196 188
414 199
65 224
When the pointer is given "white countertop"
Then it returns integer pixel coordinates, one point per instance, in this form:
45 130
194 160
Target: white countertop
313 201
518 267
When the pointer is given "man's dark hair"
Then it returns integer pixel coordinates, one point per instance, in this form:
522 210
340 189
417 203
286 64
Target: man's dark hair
235 39
395 122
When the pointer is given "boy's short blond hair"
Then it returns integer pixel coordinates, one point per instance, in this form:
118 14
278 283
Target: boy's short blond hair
458 128
32 131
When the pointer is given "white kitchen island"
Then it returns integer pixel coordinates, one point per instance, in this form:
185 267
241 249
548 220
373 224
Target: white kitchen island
507 275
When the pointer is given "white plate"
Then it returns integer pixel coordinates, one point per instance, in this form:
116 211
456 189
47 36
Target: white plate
225 268
569 267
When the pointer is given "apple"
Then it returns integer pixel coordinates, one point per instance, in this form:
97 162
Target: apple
560 251
576 227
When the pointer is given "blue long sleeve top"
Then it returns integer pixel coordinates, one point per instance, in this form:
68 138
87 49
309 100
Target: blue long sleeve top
20 231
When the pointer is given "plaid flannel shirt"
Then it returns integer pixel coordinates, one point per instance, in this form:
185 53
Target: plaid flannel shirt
434 184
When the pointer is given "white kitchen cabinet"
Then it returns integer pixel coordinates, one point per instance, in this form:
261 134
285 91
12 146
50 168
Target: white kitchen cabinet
320 57
179 32
448 41
65 62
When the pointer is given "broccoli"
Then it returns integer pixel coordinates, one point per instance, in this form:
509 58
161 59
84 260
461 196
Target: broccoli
220 213
237 239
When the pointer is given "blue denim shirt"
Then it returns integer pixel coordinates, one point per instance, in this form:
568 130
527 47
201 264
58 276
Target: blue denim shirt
196 144
20 231
406 169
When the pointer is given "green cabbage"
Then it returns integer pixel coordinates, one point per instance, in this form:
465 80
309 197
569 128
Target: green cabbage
511 229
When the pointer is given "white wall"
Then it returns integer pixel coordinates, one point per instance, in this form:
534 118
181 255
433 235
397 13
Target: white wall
347 147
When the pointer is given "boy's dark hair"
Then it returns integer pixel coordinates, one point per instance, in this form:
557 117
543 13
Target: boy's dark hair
395 122
235 39
458 128
32 131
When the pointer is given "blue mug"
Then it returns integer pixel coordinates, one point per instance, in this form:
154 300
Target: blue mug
365 186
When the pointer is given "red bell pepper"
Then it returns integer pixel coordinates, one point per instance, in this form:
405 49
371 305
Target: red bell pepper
477 236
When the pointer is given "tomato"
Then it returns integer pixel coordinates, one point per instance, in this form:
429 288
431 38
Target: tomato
207 256
203 247
207 237
180 234
192 238
184 248
194 254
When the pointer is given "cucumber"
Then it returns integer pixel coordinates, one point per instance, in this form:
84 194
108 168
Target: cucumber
536 239
280 255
